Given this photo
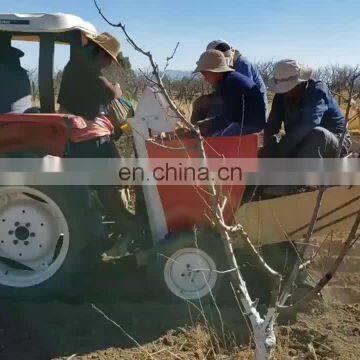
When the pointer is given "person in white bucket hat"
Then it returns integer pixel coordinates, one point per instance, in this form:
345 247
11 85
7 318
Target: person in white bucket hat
287 74
235 108
313 121
241 65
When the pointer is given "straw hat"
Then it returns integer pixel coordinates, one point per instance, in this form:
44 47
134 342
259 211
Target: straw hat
213 61
287 74
108 43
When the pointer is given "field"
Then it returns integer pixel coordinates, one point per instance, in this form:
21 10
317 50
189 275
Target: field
54 330
151 330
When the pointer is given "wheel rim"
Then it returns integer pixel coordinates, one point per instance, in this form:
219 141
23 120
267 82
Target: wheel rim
34 237
190 273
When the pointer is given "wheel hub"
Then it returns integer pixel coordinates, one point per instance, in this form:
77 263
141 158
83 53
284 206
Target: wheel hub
31 230
22 233
31 225
190 273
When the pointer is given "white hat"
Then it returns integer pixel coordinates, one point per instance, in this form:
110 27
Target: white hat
213 61
287 74
213 44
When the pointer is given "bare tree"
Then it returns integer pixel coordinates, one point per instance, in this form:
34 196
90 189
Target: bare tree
263 327
265 68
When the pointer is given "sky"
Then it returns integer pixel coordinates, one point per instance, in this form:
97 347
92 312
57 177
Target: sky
315 32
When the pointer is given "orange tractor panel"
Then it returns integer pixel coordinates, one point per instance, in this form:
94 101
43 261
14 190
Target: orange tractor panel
187 205
46 134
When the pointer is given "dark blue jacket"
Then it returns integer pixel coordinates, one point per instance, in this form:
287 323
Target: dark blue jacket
244 67
15 93
317 107
243 105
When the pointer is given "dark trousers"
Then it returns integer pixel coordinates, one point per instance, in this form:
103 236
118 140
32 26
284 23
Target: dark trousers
102 147
319 143
114 208
322 143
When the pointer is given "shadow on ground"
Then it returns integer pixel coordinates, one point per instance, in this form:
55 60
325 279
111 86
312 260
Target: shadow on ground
48 330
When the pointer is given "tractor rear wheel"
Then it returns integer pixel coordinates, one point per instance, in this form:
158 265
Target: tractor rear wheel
50 238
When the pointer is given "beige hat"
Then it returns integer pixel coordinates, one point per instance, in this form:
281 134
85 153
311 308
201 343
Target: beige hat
213 61
108 43
287 74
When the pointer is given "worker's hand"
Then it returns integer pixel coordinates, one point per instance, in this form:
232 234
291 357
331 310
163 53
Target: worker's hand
182 132
118 91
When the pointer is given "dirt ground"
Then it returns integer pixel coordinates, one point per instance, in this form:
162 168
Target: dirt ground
150 330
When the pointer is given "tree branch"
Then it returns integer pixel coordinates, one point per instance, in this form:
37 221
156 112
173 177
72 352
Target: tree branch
348 244
264 329
168 59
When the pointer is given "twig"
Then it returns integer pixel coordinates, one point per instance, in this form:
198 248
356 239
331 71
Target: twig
71 357
154 66
312 351
315 253
348 244
348 107
121 328
168 59
147 77
286 291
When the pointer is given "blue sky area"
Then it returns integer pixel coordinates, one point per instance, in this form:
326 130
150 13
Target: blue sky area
316 32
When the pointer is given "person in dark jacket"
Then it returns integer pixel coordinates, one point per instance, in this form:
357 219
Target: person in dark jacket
312 120
241 65
15 90
241 110
83 92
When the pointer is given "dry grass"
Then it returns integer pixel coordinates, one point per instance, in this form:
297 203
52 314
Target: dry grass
329 331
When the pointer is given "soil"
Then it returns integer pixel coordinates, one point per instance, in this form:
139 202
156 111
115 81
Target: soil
148 330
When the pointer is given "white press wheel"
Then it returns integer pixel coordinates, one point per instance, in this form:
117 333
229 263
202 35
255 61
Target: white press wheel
188 268
190 273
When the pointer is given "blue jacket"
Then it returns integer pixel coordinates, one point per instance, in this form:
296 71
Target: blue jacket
244 67
317 107
243 106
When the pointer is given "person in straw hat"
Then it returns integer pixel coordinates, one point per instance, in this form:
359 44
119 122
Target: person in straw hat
83 92
236 106
243 66
83 87
313 121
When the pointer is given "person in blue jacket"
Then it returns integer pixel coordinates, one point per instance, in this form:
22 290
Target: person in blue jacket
241 65
242 109
313 122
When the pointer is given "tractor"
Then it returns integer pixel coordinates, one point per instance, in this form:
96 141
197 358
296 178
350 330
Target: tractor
52 237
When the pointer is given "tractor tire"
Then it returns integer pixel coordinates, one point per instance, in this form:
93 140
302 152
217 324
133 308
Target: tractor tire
50 239
183 268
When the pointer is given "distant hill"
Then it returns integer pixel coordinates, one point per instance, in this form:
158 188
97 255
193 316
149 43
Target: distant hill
178 74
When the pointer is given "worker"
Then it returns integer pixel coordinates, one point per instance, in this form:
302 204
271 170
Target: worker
84 92
238 103
243 66
313 122
15 89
